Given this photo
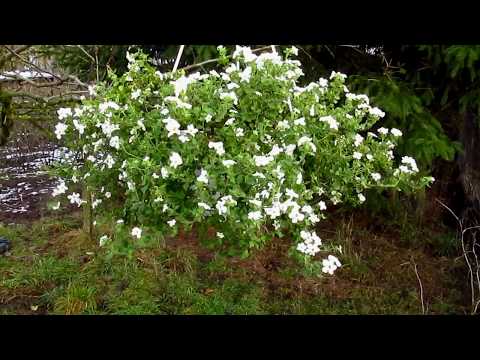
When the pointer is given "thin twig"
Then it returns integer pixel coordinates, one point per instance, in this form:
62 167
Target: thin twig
86 52
470 269
421 287
477 269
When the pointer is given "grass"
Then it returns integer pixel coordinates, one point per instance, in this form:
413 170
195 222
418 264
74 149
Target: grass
54 269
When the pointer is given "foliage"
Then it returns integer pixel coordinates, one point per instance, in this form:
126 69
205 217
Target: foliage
247 151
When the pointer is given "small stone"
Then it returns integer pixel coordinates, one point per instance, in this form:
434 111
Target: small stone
4 245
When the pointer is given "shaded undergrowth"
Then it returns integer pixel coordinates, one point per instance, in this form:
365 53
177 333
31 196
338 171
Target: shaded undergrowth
55 269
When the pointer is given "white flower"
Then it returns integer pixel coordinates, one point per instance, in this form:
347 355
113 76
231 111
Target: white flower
222 209
275 150
232 85
369 157
299 179
294 50
283 124
109 161
204 206
218 146
404 169
164 172
96 202
255 202
330 120
357 155
376 112
108 195
289 149
262 160
228 163
246 74
79 126
203 177
220 235
255 215
115 142
383 131
60 130
91 90
75 199
191 130
181 85
245 52
60 189
396 132
291 194
322 205
175 160
103 240
239 132
358 139
108 105
338 74
295 215
361 197
172 222
410 161
300 121
323 82
307 140
330 264
120 221
376 176
141 124
108 128
64 113
183 138
311 243
229 95
229 121
136 94
172 126
137 232
208 118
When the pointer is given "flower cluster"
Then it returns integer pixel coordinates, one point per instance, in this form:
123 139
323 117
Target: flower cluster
213 149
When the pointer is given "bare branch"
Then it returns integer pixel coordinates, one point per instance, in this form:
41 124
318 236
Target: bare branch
30 63
179 55
86 52
12 55
60 80
216 60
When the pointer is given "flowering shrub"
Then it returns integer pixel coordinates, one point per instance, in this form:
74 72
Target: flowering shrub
246 151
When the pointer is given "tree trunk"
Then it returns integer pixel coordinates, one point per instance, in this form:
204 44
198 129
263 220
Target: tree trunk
469 166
